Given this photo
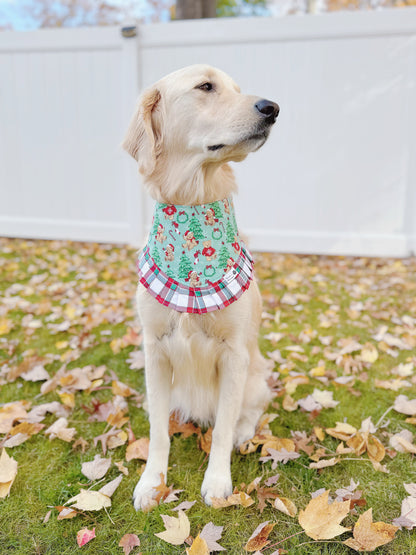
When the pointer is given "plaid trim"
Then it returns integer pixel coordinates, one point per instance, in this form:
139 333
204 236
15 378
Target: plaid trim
195 300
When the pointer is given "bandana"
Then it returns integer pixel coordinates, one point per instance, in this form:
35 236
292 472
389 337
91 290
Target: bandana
194 260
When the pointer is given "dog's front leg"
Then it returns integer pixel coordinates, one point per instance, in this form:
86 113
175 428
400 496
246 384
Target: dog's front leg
158 385
232 370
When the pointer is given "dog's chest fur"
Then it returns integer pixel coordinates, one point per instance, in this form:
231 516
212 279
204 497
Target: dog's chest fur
194 344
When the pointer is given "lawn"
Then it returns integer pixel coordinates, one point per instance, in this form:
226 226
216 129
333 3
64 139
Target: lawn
340 334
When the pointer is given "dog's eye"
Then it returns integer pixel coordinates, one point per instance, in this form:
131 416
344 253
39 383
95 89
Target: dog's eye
205 87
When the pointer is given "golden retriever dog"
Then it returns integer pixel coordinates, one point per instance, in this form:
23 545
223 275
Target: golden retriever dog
205 367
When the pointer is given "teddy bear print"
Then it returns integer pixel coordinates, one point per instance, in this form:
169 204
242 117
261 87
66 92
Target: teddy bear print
193 279
170 253
230 264
210 218
208 251
236 245
159 234
190 241
169 212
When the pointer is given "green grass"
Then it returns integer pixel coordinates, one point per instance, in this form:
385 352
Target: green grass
101 281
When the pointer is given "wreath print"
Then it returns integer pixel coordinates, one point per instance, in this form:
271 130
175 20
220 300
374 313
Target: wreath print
182 217
209 271
217 234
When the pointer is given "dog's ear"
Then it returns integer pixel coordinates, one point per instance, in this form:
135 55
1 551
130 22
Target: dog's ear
144 135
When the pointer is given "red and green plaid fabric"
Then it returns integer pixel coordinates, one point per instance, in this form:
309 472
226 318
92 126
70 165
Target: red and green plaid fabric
196 300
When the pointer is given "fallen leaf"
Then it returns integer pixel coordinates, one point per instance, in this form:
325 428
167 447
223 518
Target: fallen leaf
110 488
259 537
239 498
211 533
138 449
129 542
96 469
60 430
88 500
321 520
8 472
199 547
184 506
66 513
282 456
369 535
176 529
405 406
84 536
324 463
285 505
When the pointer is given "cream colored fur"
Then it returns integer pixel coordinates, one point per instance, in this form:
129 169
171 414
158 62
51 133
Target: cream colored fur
207 367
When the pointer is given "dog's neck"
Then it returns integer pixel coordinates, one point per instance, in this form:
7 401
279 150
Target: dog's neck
187 182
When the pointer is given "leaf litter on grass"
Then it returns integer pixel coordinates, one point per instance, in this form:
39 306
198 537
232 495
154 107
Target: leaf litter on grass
334 330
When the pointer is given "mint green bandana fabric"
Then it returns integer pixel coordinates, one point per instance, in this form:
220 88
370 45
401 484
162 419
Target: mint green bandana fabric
195 245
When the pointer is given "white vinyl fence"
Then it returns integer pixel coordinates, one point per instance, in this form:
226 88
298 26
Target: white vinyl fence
337 176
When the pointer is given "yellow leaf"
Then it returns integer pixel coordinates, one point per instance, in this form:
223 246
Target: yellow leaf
285 505
199 547
239 498
177 529
68 399
320 434
289 404
8 471
5 326
369 353
342 431
369 535
321 520
317 372
88 500
61 344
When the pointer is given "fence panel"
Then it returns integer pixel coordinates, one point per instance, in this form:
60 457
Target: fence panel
65 101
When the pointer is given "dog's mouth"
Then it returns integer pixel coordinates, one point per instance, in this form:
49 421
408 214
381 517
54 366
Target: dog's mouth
257 137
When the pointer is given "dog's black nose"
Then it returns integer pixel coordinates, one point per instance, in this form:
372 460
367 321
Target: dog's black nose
270 110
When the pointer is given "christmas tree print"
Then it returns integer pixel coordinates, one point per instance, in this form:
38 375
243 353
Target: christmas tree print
195 227
155 225
217 209
170 273
185 267
223 257
230 232
156 257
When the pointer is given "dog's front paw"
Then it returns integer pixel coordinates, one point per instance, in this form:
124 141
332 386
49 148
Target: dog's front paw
145 492
216 485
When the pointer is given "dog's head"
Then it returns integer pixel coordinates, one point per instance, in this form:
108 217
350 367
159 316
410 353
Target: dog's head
197 115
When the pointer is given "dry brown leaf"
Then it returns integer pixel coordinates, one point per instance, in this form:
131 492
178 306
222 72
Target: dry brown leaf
238 498
342 431
129 542
205 441
66 512
139 449
8 472
259 537
369 535
9 413
289 404
321 520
